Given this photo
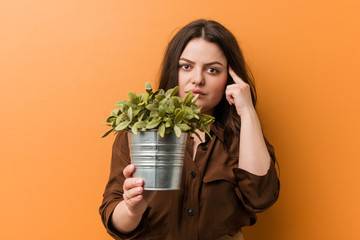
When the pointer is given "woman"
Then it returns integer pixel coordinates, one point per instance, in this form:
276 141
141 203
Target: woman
226 179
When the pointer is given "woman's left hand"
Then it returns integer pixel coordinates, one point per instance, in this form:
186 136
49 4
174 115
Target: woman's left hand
239 94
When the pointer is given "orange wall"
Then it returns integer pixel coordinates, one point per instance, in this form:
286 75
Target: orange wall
63 64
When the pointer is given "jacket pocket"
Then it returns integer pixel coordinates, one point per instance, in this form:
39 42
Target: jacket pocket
220 173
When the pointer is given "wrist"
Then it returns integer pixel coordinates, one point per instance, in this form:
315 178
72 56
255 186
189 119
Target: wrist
134 215
249 112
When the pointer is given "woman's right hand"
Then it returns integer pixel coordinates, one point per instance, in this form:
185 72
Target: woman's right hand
135 197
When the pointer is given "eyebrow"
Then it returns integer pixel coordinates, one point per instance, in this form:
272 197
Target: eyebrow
210 63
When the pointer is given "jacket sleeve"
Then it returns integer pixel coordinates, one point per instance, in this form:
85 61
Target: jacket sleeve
258 193
114 189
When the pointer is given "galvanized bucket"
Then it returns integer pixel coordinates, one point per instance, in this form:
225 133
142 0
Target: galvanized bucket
158 161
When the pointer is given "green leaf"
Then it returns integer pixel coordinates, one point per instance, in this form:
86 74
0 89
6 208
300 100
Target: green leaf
163 102
168 92
125 117
168 122
209 122
179 116
198 136
168 130
179 99
153 124
141 124
148 87
188 97
122 125
107 133
161 111
207 129
118 120
136 112
176 102
151 107
133 98
183 127
175 91
195 98
206 117
123 108
111 119
141 116
160 97
177 131
115 112
152 95
154 114
144 99
134 129
189 113
131 104
107 124
177 110
161 130
172 91
196 109
171 107
120 103
146 117
130 114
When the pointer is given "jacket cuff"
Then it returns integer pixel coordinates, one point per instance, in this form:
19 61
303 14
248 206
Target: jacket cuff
118 235
257 193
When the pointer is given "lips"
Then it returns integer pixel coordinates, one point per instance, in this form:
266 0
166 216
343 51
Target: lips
197 91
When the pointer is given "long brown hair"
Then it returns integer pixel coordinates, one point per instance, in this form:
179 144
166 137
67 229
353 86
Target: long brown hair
214 32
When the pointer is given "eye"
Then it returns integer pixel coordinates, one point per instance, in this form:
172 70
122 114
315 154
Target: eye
185 66
213 70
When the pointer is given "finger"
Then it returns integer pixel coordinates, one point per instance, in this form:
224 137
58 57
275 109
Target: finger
132 202
128 170
238 88
130 183
133 192
230 99
229 95
235 77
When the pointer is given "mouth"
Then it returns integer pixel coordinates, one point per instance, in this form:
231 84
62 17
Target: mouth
196 91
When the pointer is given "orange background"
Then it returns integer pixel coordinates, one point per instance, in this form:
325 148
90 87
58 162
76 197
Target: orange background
63 65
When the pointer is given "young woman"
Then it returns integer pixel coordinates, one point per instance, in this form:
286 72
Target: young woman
227 179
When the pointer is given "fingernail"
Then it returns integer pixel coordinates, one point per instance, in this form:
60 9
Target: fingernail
131 167
138 181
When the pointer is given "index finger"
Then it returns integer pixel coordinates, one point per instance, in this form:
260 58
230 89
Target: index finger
130 183
235 77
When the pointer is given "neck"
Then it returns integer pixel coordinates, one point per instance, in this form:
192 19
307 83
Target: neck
208 112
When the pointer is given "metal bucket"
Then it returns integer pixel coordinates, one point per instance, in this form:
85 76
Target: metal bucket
158 161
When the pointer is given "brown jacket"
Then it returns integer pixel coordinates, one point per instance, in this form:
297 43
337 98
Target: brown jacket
216 198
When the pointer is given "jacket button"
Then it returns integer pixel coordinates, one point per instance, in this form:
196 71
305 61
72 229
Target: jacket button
193 174
190 212
203 147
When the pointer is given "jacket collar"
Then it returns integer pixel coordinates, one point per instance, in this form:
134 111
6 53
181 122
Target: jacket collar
218 129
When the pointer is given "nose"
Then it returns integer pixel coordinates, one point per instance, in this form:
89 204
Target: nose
198 77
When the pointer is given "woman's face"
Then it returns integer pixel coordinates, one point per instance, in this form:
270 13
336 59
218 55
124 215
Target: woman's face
203 70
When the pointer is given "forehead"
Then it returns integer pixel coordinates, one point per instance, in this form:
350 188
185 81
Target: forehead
200 50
